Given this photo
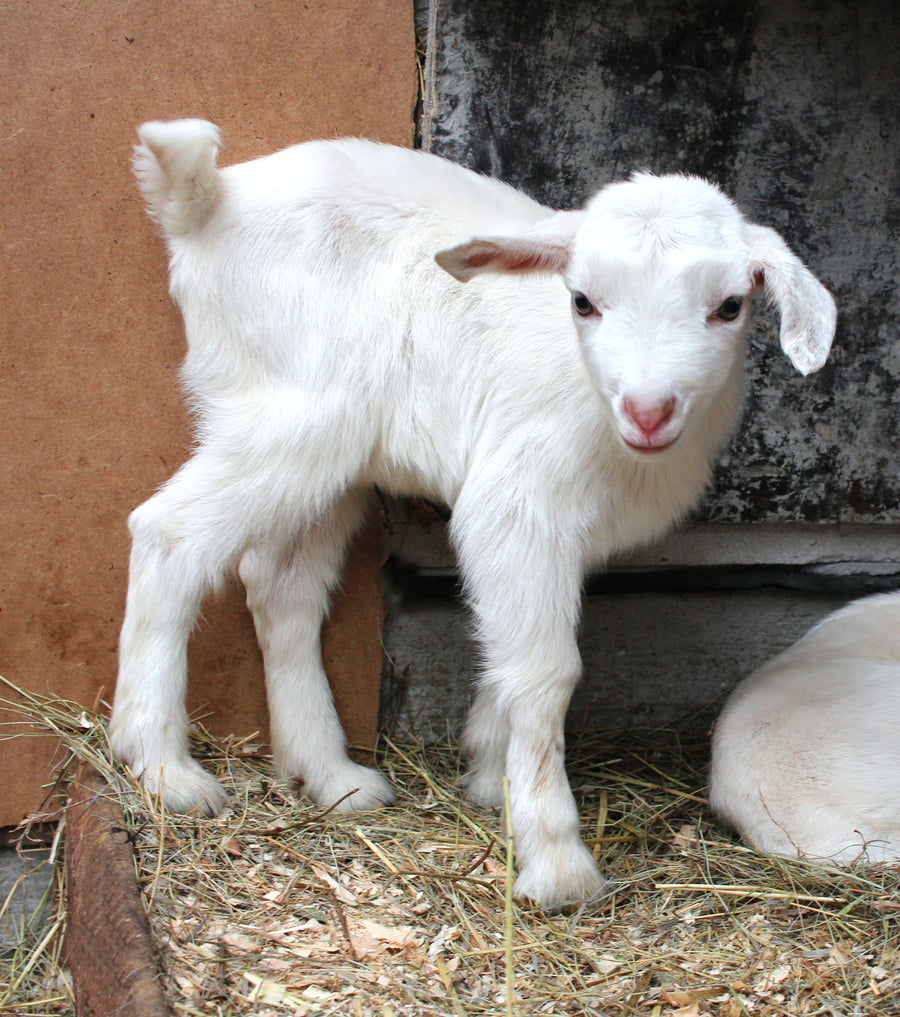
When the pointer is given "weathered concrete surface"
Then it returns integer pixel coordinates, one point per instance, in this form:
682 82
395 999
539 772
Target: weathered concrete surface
792 106
650 658
26 892
664 634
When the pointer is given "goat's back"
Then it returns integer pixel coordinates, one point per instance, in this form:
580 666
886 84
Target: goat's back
309 276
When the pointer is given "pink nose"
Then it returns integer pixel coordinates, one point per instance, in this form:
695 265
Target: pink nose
650 417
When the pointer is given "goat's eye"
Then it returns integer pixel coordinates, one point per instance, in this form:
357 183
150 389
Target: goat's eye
582 305
729 309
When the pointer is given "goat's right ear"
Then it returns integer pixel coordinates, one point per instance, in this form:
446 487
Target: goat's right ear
546 247
808 312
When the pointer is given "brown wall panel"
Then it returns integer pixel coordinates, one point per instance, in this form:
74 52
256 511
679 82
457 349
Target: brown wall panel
92 416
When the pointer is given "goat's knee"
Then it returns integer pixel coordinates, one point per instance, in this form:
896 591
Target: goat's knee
149 725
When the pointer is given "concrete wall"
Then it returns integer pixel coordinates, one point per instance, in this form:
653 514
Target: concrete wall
651 659
664 633
792 106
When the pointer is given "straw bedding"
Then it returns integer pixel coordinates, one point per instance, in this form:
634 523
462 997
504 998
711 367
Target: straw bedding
278 907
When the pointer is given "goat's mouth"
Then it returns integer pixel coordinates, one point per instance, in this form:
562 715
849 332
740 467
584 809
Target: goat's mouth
651 446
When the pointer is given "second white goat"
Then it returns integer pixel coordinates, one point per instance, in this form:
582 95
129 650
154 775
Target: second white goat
806 752
566 403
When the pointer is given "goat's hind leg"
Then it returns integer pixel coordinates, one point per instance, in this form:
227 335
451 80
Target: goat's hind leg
288 590
183 540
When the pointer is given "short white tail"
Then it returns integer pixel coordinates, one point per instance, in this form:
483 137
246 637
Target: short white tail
175 166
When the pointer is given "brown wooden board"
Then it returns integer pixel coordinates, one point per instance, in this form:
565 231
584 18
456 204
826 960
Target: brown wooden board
90 345
107 934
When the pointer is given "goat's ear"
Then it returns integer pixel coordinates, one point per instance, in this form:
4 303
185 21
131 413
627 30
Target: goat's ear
546 247
807 309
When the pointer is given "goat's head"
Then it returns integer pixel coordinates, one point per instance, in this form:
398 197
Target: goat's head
661 271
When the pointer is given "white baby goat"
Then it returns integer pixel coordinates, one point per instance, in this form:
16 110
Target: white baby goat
566 403
806 753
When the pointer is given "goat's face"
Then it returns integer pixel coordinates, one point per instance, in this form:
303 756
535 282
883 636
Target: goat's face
661 300
661 270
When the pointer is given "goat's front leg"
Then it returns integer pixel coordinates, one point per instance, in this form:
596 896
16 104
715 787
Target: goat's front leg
555 867
287 591
525 592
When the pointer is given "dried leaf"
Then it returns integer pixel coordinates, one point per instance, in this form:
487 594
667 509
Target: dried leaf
679 998
839 957
268 991
396 937
240 941
606 965
691 1010
771 978
685 838
340 891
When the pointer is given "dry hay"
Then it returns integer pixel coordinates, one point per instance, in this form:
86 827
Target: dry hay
278 907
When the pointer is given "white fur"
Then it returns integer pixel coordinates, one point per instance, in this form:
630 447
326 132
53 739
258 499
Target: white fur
327 352
806 753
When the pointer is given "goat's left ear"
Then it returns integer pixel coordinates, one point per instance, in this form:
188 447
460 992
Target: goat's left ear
546 247
808 312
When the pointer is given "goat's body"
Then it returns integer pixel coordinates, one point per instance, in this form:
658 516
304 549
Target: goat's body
327 352
441 391
806 751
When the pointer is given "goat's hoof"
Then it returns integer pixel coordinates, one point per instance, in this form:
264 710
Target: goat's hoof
484 789
185 788
353 788
561 879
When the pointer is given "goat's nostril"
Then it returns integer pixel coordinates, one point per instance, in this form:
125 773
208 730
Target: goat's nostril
649 416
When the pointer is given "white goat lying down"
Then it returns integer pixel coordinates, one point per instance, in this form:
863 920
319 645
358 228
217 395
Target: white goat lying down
806 753
566 403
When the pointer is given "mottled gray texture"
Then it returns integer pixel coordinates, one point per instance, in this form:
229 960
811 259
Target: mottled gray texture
792 106
26 896
650 659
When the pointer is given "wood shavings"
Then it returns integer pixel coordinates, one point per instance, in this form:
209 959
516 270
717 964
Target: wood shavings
274 908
